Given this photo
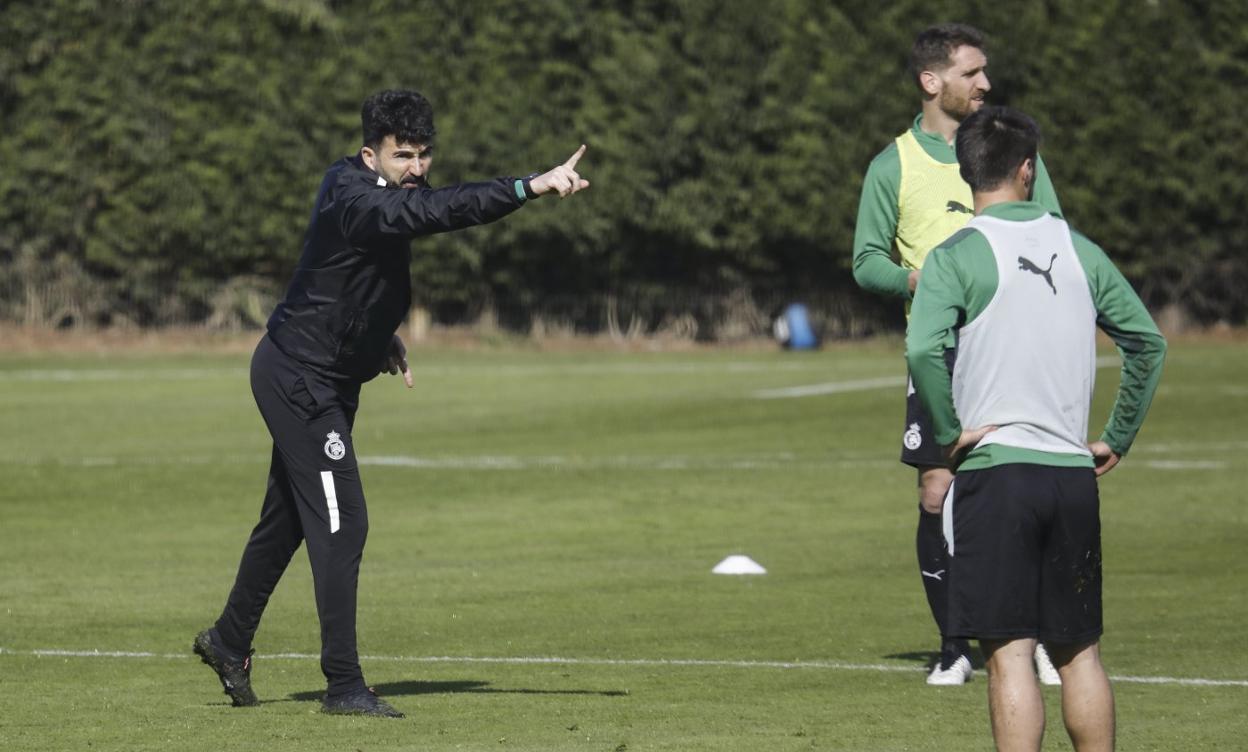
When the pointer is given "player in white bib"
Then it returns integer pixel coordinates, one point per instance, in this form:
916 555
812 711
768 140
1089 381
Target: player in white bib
1020 295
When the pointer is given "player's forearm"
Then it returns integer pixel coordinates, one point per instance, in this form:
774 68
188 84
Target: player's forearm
874 231
1122 315
938 302
935 388
925 355
1143 354
875 271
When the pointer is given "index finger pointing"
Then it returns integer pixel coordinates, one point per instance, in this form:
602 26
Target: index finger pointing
572 160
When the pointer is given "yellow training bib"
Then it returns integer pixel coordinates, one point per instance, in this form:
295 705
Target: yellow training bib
933 202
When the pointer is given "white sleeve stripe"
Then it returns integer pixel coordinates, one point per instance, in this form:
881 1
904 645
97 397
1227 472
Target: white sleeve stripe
331 499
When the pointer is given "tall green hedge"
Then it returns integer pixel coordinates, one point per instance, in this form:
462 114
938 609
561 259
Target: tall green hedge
158 158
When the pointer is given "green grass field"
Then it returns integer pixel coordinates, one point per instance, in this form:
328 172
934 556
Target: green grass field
570 506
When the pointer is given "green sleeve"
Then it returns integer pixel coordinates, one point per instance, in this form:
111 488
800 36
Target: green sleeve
940 305
874 267
1043 192
1121 314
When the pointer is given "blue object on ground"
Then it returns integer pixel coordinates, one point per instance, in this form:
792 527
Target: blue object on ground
800 334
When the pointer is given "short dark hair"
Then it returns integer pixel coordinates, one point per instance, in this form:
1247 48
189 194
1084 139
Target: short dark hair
991 145
401 113
935 45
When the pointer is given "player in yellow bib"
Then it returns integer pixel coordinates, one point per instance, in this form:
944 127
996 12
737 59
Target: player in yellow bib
913 198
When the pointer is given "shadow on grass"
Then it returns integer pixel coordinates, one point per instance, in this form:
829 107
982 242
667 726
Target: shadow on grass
398 689
926 657
929 657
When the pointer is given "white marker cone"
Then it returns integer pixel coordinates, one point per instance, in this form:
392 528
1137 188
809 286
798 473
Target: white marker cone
738 564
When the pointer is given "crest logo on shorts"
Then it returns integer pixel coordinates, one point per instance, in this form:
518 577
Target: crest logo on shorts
912 439
334 448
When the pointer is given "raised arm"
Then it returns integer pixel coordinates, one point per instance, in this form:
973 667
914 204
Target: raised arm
373 210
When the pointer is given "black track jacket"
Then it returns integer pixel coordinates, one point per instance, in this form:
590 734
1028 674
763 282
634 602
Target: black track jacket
352 287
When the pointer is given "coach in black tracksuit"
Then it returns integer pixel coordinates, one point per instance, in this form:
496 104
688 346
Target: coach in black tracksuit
334 330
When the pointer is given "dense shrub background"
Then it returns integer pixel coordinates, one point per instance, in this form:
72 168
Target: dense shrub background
158 158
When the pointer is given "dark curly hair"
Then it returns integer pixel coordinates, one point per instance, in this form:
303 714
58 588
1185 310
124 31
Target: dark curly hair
401 113
935 45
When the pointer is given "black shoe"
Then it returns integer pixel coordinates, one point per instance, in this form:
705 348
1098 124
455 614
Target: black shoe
235 674
359 702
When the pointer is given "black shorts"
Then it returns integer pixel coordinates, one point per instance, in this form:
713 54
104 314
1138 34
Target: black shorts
1026 554
918 442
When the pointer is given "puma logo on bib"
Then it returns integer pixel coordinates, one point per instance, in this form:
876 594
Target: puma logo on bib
1027 265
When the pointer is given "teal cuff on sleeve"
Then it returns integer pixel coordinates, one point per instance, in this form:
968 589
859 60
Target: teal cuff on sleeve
520 194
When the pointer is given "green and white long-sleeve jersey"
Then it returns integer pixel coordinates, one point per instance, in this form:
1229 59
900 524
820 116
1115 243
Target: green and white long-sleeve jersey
1021 296
895 232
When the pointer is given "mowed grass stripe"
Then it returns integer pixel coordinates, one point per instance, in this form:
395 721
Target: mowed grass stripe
640 462
66 375
643 662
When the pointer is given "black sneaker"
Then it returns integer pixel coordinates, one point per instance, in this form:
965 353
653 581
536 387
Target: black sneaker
235 674
359 702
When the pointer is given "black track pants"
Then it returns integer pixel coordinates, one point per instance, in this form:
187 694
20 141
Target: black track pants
314 494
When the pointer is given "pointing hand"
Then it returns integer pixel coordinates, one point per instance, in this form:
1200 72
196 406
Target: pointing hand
563 179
